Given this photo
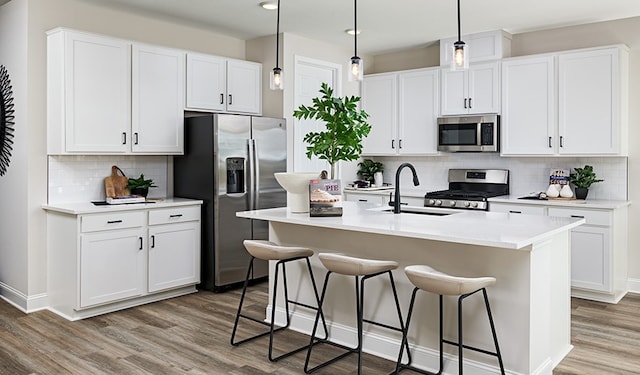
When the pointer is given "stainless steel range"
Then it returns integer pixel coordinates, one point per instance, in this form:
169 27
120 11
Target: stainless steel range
470 188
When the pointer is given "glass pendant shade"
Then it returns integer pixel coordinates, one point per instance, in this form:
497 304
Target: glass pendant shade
356 68
276 79
459 56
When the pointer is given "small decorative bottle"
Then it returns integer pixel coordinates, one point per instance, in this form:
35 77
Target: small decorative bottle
377 179
566 192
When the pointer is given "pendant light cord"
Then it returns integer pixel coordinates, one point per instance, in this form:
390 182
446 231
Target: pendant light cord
278 35
355 27
458 20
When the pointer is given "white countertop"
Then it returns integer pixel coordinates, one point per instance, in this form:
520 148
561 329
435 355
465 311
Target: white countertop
575 203
495 229
78 208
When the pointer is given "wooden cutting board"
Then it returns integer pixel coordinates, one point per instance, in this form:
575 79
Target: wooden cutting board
116 184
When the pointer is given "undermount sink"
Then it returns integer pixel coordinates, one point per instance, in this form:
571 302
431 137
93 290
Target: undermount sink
423 211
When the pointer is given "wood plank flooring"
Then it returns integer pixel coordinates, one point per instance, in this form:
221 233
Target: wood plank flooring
190 335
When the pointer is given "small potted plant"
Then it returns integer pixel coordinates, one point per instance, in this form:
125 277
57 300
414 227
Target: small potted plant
582 179
369 169
140 185
346 126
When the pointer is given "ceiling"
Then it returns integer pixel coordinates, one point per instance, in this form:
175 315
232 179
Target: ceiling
386 25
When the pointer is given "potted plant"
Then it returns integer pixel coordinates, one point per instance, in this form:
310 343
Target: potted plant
582 179
345 124
369 169
140 185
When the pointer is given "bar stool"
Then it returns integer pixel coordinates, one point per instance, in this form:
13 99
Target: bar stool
427 279
283 254
362 270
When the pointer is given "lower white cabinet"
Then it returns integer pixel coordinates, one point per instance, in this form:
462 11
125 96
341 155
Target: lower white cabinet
367 198
102 262
598 248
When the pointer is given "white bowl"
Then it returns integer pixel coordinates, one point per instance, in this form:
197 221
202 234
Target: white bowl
297 186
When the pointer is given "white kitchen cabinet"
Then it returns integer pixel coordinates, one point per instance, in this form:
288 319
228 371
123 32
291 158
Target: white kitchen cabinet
102 98
598 247
528 120
566 104
219 84
592 101
88 93
174 247
472 91
486 46
381 199
106 261
157 100
403 110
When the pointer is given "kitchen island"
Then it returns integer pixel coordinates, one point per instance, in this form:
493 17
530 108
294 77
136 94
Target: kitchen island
528 255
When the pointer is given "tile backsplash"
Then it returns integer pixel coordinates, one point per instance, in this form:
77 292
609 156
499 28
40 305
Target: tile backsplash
527 175
80 178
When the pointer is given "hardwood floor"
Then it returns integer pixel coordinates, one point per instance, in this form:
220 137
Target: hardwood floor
190 335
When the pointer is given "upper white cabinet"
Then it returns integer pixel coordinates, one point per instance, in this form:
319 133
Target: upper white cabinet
88 93
403 110
158 94
90 106
592 101
567 104
223 85
472 91
528 120
487 46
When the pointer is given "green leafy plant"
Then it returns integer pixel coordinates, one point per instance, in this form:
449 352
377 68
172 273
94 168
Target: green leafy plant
139 183
368 168
345 124
583 177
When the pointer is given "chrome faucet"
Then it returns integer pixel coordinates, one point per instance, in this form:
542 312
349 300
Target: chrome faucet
396 200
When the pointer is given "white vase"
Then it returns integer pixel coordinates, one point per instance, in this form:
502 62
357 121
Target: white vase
377 179
297 186
553 191
566 192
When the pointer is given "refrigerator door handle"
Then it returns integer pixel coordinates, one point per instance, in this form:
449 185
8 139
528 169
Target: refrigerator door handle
256 175
250 174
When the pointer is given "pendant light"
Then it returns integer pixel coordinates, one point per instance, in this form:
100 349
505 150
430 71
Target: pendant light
356 64
276 73
460 51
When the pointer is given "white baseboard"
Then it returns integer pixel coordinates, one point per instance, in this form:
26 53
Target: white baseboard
387 347
634 286
24 303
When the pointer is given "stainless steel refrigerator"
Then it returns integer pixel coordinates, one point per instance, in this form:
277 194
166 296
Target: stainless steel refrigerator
229 163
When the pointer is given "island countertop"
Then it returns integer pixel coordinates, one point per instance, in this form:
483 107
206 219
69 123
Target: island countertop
494 229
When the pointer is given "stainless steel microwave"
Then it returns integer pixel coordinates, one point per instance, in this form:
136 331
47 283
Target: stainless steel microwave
479 133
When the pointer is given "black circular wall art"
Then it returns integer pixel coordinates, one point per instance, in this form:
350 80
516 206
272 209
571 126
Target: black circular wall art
6 120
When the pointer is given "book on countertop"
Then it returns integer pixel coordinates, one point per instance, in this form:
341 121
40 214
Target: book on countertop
325 198
559 176
125 199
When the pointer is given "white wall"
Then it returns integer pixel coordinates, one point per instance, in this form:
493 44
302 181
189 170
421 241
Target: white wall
14 185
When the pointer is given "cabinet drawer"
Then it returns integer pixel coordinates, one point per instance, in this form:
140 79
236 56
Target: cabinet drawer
517 209
174 215
593 217
365 198
112 220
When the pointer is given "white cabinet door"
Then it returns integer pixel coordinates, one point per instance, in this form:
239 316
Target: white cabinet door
591 258
112 266
380 101
472 91
454 92
244 87
88 93
206 82
418 106
174 255
528 120
483 92
589 109
158 100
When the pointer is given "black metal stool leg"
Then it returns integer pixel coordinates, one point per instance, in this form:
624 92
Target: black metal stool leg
402 324
238 314
493 330
460 361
